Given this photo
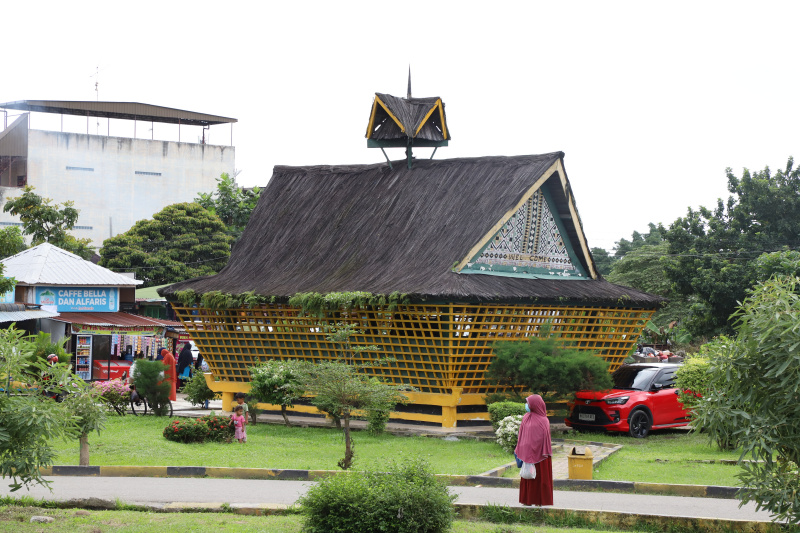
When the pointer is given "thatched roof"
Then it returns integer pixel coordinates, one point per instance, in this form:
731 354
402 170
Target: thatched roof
369 228
394 118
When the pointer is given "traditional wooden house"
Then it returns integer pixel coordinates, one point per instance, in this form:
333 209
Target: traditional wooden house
480 249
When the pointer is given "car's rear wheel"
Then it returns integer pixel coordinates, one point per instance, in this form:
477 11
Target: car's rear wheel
639 424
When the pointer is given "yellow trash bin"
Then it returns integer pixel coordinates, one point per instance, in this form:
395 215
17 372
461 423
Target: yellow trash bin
580 465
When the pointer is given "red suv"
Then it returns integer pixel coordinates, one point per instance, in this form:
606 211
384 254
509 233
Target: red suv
644 397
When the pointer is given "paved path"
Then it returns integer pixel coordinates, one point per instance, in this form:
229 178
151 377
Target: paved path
163 492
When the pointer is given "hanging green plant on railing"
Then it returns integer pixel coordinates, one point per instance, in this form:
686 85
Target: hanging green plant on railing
310 303
188 297
314 303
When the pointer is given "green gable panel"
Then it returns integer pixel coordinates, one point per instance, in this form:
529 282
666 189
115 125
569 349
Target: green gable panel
533 243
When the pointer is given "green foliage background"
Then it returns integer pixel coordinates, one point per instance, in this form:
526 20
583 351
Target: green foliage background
181 241
546 366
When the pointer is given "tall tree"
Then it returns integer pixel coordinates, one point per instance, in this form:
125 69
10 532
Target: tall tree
182 241
46 222
750 394
653 237
715 249
11 241
29 423
232 204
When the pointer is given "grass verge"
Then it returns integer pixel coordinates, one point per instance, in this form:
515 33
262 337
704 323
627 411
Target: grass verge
17 518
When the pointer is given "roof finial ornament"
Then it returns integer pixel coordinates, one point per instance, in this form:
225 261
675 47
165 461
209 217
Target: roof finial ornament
408 96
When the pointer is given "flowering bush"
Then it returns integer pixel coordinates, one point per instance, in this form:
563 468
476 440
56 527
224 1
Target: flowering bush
115 393
187 430
220 427
211 427
508 431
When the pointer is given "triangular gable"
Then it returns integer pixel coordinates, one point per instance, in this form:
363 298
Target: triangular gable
532 240
392 118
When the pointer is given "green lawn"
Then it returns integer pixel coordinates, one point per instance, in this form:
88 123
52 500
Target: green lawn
131 440
664 457
667 457
18 519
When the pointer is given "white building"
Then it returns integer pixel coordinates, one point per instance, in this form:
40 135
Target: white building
113 181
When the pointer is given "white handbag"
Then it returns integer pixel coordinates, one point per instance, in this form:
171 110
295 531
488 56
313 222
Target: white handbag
528 471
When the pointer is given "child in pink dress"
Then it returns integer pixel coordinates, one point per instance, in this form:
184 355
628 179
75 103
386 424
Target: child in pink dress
239 422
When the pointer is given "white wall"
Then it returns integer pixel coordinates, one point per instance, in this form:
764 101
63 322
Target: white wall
111 197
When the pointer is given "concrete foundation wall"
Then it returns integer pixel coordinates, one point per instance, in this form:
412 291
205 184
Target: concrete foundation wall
116 181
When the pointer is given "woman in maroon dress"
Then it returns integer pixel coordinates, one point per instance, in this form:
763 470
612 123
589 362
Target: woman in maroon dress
533 446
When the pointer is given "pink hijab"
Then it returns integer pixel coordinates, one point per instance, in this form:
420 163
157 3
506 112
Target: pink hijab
533 444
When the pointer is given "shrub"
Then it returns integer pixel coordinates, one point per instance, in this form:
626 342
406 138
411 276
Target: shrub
407 498
220 427
377 420
197 391
115 393
499 411
546 365
206 428
277 383
508 431
187 430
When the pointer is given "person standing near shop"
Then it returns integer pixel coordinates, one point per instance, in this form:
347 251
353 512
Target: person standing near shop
533 447
170 373
185 365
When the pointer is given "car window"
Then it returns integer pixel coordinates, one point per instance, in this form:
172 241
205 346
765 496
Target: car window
634 377
667 379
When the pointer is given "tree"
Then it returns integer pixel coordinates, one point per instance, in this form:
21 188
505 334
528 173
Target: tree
182 241
86 406
48 223
29 422
11 241
752 396
603 260
150 384
277 383
232 204
546 365
643 267
341 388
715 249
653 237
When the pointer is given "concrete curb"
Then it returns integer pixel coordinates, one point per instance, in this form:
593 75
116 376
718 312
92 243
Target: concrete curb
698 491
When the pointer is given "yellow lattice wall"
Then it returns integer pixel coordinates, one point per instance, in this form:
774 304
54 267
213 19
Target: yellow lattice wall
441 350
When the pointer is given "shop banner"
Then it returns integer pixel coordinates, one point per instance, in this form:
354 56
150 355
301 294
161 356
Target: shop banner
86 299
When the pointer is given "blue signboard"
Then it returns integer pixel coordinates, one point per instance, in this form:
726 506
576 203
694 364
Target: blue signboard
86 299
7 298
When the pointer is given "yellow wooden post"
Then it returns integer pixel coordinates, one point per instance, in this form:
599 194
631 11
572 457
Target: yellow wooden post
450 411
227 401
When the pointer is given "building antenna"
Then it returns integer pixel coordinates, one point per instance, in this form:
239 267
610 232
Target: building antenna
96 77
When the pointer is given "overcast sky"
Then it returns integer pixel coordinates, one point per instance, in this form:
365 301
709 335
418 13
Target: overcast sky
650 101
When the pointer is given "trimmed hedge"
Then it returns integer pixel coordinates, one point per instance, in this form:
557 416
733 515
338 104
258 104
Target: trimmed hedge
500 410
407 499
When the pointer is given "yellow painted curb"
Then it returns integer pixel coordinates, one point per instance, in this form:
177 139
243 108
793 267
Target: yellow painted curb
46 471
630 521
261 510
194 505
133 471
240 473
667 488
